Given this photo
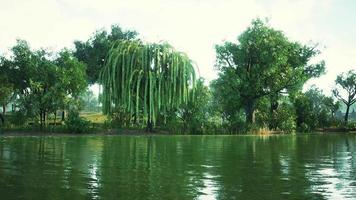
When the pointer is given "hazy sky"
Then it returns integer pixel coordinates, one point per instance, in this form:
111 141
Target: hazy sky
192 26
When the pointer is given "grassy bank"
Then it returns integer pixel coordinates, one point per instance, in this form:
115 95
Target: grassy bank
97 123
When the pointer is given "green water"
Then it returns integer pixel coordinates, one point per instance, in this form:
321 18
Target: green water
178 167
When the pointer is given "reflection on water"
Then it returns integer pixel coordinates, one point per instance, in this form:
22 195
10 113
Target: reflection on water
332 177
209 188
178 167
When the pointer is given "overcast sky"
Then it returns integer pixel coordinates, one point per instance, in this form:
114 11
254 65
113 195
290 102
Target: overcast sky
192 26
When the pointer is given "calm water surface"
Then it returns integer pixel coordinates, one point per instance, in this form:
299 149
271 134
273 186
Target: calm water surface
178 167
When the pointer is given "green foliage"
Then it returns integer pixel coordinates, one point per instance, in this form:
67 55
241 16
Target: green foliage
145 80
262 63
260 77
192 117
225 99
313 110
42 85
286 119
6 87
283 118
17 118
76 124
90 101
351 126
94 51
345 90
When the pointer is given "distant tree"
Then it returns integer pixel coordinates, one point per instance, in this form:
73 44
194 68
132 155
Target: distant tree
332 105
313 109
90 101
94 51
264 63
345 90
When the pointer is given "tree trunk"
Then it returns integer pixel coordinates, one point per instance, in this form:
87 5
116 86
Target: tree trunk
41 122
44 118
55 117
347 113
273 122
249 110
3 109
63 114
149 127
2 119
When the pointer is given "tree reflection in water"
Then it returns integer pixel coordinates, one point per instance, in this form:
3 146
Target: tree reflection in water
178 167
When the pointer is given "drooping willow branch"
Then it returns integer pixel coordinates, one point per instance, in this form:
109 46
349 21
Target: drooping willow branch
145 79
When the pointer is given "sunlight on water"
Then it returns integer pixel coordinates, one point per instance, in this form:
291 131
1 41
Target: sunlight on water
331 178
208 192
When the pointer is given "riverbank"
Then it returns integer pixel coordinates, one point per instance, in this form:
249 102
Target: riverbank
138 132
94 132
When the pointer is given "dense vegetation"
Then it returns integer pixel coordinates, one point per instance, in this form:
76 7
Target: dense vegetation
152 85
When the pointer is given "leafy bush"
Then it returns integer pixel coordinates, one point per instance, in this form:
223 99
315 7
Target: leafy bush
17 118
77 124
281 119
285 118
304 128
351 125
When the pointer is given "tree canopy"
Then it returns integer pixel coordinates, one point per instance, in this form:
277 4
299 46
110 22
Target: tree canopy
40 83
145 80
264 62
345 90
94 51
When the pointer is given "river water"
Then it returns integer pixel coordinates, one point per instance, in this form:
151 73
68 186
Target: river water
178 167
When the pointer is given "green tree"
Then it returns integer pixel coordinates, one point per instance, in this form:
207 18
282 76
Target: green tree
42 85
283 118
194 114
264 63
313 110
6 88
145 80
332 105
93 52
345 90
72 81
225 101
28 72
90 101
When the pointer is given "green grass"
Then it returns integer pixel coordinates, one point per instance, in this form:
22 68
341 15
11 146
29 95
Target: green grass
94 117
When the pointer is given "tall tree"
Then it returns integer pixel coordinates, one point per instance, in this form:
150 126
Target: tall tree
6 88
71 83
93 52
345 90
145 79
264 63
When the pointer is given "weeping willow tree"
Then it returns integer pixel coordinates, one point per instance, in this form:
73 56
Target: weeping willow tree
145 80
